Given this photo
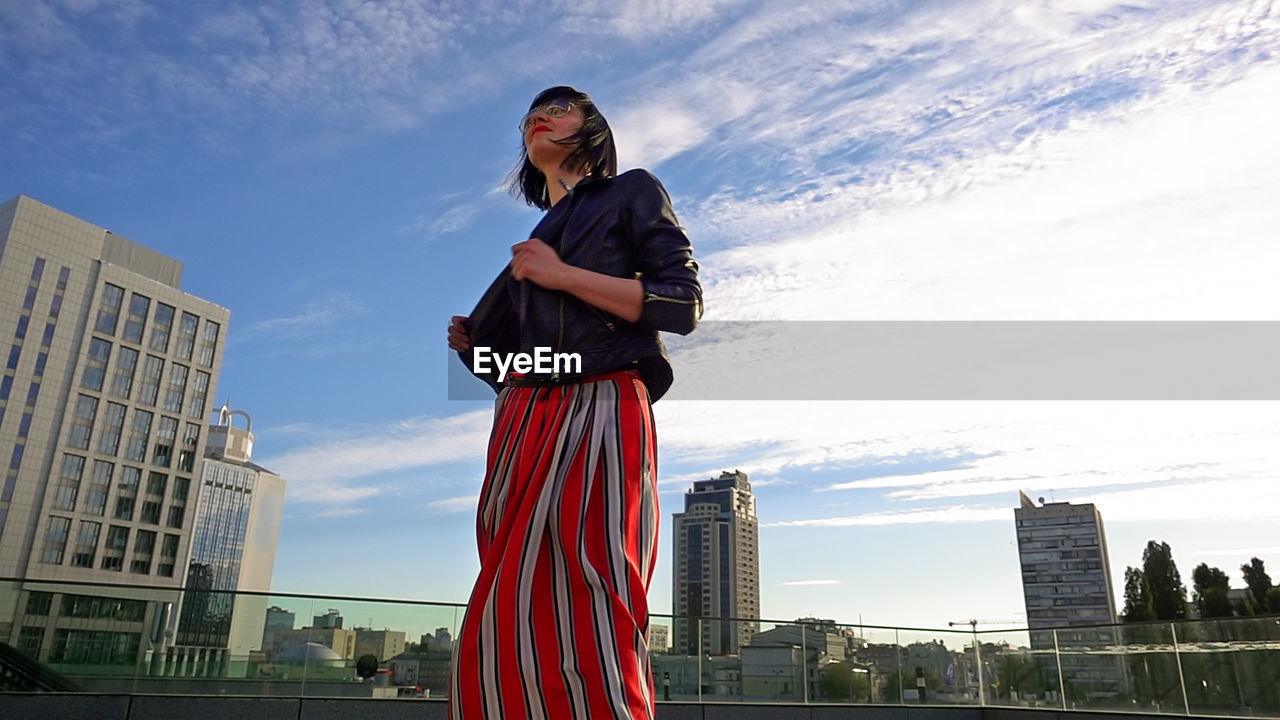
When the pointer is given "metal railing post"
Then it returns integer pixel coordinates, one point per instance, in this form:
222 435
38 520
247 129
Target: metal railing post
1062 686
897 643
804 663
699 679
1182 681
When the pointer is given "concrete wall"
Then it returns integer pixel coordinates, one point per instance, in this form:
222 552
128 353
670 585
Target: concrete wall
165 707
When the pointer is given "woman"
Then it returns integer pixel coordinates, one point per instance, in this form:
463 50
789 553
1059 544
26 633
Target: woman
567 525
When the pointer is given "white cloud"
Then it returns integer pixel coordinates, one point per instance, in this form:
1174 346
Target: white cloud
311 318
809 583
342 512
336 470
1209 501
957 514
461 503
1241 552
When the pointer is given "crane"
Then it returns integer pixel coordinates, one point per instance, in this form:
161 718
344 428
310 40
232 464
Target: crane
977 649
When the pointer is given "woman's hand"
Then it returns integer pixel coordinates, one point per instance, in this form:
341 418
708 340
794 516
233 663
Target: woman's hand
537 262
458 338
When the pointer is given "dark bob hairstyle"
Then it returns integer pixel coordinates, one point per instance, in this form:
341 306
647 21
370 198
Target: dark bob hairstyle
593 149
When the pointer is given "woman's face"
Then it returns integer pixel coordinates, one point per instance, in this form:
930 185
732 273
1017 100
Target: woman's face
542 127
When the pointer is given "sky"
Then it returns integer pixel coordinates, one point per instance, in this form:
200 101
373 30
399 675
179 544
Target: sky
333 172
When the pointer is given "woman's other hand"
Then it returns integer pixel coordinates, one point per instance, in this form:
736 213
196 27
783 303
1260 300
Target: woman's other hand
458 338
537 262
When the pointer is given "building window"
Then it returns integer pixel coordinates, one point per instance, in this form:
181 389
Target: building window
127 491
186 336
23 322
166 436
199 393
137 320
86 547
95 369
82 422
143 548
122 380
33 392
176 513
94 647
29 641
156 483
95 497
168 556
15 354
181 488
11 479
42 359
64 274
177 388
109 309
112 429
55 540
139 435
39 603
6 386
47 338
161 325
113 549
187 455
64 497
209 343
150 512
152 370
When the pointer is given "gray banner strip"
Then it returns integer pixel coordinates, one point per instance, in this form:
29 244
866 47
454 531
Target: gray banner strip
966 360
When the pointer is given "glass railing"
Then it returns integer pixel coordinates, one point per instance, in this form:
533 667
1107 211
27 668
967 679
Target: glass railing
133 639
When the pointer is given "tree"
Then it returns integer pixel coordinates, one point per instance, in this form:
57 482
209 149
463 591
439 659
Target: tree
1021 675
1138 605
841 684
367 666
905 679
1168 594
1273 600
1210 586
1258 582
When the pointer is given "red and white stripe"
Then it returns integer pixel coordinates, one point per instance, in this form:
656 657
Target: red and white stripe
567 527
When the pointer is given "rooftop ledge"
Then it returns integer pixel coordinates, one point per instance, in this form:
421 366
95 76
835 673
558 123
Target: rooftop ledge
166 707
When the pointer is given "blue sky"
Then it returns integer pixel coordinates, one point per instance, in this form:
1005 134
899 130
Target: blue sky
332 172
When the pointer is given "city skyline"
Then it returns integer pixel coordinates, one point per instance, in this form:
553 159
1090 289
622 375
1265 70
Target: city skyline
331 174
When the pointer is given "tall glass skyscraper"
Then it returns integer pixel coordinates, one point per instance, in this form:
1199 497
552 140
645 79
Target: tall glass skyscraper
237 524
717 567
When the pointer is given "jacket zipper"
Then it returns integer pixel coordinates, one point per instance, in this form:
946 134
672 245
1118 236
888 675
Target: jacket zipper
603 319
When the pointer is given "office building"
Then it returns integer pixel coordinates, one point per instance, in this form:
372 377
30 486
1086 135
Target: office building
659 637
103 420
277 619
237 524
716 583
331 619
1066 581
382 644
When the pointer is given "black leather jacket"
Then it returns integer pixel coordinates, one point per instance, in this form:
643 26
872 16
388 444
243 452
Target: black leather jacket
623 227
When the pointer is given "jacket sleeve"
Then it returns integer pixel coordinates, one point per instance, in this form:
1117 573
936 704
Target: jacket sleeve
668 272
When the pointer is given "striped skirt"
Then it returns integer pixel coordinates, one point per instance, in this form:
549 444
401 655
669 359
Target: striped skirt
557 623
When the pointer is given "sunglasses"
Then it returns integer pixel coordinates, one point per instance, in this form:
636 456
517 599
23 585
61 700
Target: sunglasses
553 109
